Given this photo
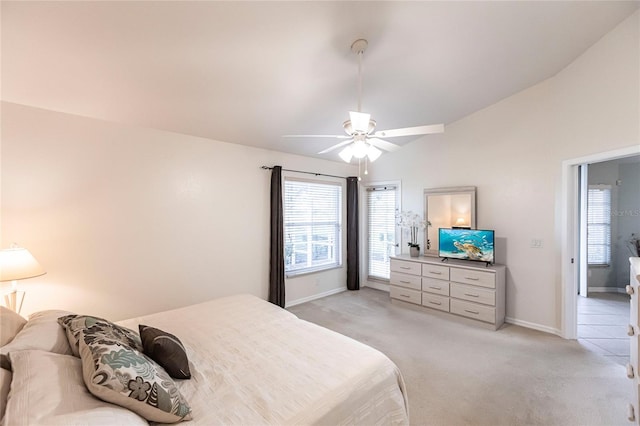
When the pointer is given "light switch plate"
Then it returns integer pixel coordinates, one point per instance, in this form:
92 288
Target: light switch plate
536 243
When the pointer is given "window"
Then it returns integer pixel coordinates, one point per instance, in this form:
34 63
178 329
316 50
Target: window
381 232
599 225
312 226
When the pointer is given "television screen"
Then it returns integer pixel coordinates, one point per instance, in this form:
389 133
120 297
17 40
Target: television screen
467 244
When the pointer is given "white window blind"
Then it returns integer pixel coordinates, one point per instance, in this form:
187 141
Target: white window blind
599 225
381 233
312 226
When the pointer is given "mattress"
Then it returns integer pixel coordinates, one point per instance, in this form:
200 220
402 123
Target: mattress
252 362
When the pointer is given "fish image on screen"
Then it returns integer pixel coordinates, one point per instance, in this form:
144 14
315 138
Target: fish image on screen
466 244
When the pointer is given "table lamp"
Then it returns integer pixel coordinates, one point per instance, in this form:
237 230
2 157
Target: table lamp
460 223
16 263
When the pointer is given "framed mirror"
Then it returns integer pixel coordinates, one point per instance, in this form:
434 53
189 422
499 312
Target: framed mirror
447 208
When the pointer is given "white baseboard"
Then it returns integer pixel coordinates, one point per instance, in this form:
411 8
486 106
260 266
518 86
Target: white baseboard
533 326
606 290
315 296
377 286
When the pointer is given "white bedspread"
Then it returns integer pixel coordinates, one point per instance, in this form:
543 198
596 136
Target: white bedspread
254 363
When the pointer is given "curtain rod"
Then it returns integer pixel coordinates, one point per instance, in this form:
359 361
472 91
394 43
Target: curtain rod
300 171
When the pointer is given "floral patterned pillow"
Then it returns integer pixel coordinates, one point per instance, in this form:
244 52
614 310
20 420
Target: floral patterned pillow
121 374
75 324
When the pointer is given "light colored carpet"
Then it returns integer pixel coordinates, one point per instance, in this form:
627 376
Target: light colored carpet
461 374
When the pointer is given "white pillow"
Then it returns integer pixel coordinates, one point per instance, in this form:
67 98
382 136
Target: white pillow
10 324
43 332
5 384
47 389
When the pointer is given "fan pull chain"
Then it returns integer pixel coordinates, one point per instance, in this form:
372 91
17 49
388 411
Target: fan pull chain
359 178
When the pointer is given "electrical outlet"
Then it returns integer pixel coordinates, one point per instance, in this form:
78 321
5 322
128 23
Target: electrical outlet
536 243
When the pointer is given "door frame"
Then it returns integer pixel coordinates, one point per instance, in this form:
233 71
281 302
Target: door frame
364 225
570 232
583 172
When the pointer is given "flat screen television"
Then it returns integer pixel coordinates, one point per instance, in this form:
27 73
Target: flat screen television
466 244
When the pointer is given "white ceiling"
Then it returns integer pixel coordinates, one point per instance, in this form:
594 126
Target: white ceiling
249 72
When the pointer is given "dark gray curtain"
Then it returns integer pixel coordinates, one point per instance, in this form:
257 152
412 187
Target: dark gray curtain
276 253
353 250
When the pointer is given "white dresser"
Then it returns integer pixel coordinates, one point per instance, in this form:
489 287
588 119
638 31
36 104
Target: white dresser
468 289
634 330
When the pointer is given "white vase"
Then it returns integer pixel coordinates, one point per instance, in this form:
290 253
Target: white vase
414 251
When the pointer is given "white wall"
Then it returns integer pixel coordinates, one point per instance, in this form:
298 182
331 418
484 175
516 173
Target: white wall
512 152
129 221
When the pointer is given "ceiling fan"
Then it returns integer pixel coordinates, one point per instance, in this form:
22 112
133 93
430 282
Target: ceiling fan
362 140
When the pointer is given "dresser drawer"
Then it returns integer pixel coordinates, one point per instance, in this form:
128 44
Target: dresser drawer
405 267
405 280
468 276
473 310
404 294
436 302
473 294
435 286
435 271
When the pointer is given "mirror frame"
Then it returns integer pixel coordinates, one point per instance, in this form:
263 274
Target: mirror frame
454 190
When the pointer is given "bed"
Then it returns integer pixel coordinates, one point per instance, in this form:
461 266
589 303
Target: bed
250 363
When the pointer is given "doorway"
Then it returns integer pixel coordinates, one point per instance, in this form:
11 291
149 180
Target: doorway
573 246
607 188
609 196
379 237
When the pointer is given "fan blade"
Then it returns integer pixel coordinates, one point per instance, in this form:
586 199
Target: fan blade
359 121
411 131
387 146
317 136
336 146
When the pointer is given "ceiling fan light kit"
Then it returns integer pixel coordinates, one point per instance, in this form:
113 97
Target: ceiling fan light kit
362 140
360 149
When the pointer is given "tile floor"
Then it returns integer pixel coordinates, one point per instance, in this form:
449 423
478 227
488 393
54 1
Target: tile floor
602 325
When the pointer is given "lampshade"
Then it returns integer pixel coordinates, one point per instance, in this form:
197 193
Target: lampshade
16 263
359 149
460 221
373 153
346 154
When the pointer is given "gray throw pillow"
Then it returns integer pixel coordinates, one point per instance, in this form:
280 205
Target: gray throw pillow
165 349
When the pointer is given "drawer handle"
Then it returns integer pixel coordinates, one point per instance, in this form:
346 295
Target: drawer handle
472 278
405 282
435 303
472 312
629 289
405 267
405 295
631 415
630 330
472 295
435 288
435 273
630 371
